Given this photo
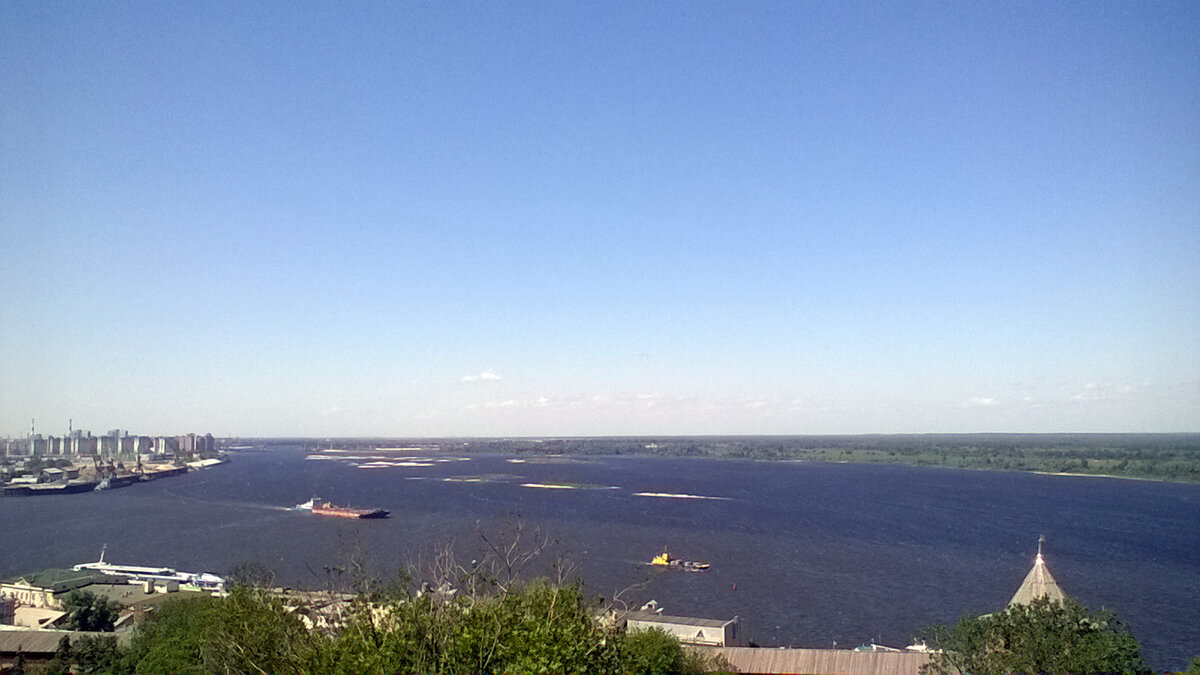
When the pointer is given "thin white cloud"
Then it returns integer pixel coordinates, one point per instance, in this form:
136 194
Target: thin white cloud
980 402
485 376
1096 391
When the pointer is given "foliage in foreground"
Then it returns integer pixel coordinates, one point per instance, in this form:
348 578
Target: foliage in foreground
535 627
247 632
87 655
1043 637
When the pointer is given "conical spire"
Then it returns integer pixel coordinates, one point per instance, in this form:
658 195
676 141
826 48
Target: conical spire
1038 583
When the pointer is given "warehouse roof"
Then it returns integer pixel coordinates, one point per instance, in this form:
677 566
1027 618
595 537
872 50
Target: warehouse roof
33 641
677 620
769 660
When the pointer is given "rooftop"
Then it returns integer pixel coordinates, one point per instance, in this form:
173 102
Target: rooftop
132 595
1038 584
33 641
59 580
769 660
677 620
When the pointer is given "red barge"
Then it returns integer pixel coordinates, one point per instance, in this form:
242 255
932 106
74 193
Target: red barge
323 508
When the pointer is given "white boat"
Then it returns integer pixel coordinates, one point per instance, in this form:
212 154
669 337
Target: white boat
202 580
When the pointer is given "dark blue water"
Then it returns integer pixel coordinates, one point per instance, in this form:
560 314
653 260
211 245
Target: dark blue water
806 553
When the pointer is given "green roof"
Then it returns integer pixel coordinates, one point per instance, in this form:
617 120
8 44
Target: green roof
59 580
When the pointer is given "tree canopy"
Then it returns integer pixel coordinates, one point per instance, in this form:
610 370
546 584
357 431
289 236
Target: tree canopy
87 611
248 631
1042 636
87 655
534 627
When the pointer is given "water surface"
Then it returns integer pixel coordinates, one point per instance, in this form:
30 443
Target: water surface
806 553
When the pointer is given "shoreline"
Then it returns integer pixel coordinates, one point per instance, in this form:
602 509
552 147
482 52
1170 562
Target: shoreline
1074 474
85 486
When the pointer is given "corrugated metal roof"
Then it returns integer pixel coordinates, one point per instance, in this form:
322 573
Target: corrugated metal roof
651 617
767 660
32 641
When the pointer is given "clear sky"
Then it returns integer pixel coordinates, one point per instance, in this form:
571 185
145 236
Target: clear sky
577 218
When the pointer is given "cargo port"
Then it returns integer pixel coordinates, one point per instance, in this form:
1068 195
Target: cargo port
80 462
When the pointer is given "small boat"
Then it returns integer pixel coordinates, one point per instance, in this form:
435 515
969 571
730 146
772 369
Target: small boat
323 508
664 559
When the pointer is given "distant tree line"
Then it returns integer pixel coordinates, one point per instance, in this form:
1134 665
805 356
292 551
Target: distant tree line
1173 457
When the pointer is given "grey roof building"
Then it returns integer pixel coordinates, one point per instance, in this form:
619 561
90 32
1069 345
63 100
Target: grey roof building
690 630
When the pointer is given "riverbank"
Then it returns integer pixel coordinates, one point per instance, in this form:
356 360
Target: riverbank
96 478
1173 457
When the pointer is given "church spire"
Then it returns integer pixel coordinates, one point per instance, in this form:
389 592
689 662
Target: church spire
1038 583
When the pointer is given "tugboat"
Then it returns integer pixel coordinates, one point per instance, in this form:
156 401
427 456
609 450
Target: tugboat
664 559
323 508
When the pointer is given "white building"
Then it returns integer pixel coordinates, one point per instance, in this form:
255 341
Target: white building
689 630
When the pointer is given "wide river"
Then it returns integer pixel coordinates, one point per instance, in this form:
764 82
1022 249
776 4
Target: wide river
807 554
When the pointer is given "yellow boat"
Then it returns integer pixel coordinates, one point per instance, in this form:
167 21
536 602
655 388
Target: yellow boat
664 559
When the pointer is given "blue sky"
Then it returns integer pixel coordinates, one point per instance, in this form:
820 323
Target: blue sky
599 218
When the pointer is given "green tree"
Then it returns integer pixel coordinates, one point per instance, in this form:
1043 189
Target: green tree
536 627
175 637
90 612
654 651
89 654
98 654
252 573
247 632
1043 636
63 657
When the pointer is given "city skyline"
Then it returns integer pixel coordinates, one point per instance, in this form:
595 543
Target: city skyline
412 220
